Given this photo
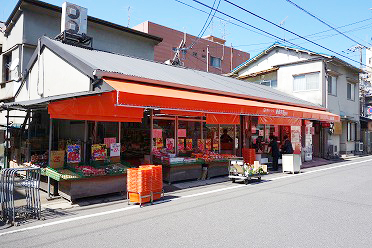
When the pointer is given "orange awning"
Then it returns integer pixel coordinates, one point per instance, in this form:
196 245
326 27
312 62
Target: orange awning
181 113
134 94
279 121
222 119
94 108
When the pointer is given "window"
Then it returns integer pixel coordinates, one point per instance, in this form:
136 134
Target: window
270 83
306 82
215 62
332 85
350 91
351 131
7 60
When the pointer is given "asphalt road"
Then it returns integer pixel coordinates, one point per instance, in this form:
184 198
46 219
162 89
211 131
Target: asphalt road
328 206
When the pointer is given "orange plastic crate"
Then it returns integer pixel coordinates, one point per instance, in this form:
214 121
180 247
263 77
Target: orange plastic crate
135 197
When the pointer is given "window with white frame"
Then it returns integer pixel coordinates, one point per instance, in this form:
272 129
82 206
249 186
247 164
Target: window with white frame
216 62
306 82
270 83
351 131
332 85
350 91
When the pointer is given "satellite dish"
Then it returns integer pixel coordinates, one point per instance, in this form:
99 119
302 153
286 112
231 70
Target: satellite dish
14 64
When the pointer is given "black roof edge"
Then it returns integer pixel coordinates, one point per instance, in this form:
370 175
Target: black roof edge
90 18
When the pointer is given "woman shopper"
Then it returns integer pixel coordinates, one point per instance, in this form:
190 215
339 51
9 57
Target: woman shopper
287 146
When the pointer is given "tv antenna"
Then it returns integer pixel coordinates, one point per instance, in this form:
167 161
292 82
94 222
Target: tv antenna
282 23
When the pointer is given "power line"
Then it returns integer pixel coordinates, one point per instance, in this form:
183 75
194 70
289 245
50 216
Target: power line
291 32
223 19
312 15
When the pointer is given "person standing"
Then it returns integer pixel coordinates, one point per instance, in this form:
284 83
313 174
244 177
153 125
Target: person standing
274 151
287 147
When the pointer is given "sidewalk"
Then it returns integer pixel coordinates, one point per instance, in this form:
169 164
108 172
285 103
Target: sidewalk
59 206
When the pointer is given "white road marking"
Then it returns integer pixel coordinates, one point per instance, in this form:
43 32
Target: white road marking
181 197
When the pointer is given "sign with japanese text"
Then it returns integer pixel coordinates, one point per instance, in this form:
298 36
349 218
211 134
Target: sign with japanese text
73 154
157 133
109 141
57 159
181 133
114 149
99 152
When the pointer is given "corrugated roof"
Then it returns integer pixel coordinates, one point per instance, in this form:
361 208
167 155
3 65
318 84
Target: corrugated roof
91 60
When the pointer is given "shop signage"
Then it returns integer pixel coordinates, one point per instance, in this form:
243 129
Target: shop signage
159 143
99 152
215 144
208 144
201 145
109 141
157 133
181 144
181 133
253 129
114 149
57 159
170 144
189 144
73 154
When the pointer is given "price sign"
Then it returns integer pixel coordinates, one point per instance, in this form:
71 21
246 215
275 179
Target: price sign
114 149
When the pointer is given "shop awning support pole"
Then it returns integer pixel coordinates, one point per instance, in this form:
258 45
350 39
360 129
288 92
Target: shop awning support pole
28 139
176 135
219 138
49 150
235 139
151 133
119 133
85 140
6 155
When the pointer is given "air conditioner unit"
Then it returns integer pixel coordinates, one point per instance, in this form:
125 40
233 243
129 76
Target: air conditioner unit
74 19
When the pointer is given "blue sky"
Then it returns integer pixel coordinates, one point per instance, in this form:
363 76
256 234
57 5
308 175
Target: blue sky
178 16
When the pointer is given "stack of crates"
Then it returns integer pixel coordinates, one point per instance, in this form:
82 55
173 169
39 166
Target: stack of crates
144 184
157 181
249 155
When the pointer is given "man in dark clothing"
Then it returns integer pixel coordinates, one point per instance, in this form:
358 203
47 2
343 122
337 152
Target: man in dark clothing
274 151
287 146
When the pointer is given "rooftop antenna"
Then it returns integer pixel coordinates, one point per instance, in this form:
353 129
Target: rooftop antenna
282 23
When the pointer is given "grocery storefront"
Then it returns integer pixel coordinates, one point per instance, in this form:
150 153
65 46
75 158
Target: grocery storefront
85 141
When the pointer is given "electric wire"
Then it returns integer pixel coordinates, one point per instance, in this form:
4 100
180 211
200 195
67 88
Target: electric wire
289 31
317 18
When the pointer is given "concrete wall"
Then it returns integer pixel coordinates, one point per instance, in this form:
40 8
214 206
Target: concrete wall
196 57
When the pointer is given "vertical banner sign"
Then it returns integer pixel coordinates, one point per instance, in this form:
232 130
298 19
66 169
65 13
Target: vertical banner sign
296 139
73 154
188 144
181 145
208 144
115 150
99 152
215 144
159 143
170 144
201 145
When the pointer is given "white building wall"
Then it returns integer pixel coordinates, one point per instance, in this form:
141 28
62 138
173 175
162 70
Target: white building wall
55 77
286 76
276 57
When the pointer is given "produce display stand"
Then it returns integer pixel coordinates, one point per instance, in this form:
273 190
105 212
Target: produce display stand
217 168
237 172
181 172
72 185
